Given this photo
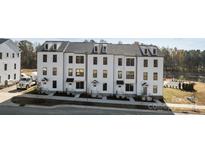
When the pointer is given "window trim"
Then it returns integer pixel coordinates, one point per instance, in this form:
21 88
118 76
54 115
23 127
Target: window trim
145 62
130 61
95 73
104 88
130 76
155 64
95 60
55 60
78 72
155 87
54 81
118 74
155 76
145 74
54 69
105 60
119 62
105 73
130 88
79 85
45 58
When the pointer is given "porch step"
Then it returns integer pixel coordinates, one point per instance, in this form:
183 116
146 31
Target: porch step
77 95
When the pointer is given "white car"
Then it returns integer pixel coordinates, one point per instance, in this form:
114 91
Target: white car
25 83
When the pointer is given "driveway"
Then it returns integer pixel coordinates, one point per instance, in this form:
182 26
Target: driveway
8 93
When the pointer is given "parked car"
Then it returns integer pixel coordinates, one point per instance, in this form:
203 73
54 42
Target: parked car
23 75
34 77
25 83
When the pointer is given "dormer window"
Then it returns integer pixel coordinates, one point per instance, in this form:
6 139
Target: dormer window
104 49
55 47
154 51
96 49
145 51
46 46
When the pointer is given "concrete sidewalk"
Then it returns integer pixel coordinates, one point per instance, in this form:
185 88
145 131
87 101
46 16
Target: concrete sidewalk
149 104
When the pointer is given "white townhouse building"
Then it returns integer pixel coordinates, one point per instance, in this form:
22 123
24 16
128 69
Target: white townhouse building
100 68
10 66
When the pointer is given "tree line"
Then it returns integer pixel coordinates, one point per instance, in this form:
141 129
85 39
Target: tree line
190 61
184 61
28 54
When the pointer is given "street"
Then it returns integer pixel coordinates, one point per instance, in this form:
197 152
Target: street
73 110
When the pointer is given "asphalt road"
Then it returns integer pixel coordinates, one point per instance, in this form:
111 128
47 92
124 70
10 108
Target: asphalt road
72 110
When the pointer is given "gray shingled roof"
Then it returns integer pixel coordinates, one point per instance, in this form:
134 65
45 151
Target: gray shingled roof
88 47
123 49
115 49
159 52
80 47
61 48
2 40
10 44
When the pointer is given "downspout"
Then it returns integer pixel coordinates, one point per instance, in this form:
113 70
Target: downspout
113 74
86 72
64 66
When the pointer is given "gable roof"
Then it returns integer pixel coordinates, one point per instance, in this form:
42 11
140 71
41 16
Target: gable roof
2 40
10 44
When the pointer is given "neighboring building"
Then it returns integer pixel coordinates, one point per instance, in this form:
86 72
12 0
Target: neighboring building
10 58
100 68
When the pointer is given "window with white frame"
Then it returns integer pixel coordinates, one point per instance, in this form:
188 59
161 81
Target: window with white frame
95 74
145 62
155 76
145 75
70 72
154 51
96 49
44 58
104 60
119 61
155 63
104 73
104 86
79 59
79 72
130 62
55 58
155 89
119 74
70 59
130 75
44 70
54 71
129 87
55 47
146 51
79 85
95 60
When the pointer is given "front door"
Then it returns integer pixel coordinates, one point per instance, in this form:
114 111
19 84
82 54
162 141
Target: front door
145 91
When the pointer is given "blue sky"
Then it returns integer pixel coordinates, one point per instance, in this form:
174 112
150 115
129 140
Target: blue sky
180 43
